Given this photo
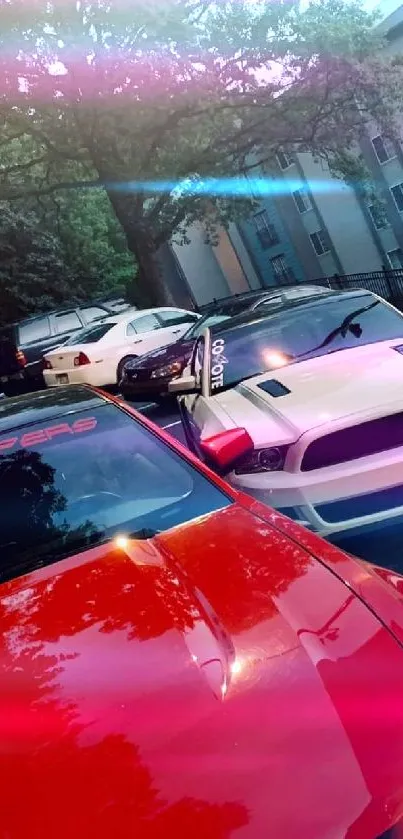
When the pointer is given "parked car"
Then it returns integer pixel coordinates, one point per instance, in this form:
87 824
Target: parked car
316 387
98 354
23 344
177 660
150 375
117 304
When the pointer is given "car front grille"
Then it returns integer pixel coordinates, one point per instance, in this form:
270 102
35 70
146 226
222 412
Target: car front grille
361 440
138 374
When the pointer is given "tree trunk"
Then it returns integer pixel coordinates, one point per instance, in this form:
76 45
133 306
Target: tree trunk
150 279
152 290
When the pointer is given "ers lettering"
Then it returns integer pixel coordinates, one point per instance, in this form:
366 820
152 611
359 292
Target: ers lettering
51 432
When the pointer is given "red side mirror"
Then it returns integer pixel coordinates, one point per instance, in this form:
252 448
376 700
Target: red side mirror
224 449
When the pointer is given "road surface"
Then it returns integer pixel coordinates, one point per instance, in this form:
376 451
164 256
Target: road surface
166 417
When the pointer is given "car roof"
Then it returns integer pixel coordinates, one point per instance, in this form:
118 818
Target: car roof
120 317
311 287
305 303
221 304
47 405
245 299
72 308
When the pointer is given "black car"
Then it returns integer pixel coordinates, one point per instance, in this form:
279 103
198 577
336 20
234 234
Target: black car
23 344
149 376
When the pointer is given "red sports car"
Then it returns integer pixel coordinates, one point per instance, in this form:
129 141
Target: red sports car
177 660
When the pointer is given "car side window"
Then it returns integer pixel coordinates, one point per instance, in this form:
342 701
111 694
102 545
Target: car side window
93 313
67 321
176 318
146 323
268 301
34 330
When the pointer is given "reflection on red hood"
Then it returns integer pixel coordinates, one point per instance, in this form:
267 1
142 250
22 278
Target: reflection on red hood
179 351
215 682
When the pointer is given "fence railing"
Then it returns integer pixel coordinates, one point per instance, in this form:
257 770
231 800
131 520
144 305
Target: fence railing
387 283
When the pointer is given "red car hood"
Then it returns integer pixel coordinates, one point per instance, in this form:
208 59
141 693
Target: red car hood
215 682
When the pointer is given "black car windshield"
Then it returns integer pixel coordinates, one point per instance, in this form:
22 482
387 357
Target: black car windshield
197 329
90 335
296 334
84 478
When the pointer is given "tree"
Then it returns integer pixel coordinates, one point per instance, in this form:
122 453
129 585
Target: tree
92 242
69 250
58 249
33 275
159 108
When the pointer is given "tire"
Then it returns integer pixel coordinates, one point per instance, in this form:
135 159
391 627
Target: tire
14 388
121 365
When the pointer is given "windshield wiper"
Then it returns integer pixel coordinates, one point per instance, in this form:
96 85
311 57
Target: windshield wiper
144 533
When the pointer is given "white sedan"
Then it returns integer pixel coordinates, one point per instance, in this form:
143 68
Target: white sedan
97 355
303 408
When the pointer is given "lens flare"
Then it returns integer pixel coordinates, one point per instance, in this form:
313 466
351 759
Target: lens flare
236 667
122 542
274 358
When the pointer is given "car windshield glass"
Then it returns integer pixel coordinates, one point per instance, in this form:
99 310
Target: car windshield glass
307 331
90 335
197 329
85 478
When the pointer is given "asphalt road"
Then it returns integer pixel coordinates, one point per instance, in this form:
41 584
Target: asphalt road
165 416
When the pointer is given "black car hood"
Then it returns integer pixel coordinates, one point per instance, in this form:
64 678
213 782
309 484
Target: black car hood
178 351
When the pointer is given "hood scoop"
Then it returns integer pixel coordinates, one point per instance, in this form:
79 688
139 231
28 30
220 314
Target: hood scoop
274 388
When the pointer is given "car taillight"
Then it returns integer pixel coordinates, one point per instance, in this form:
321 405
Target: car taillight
81 359
46 364
263 460
20 357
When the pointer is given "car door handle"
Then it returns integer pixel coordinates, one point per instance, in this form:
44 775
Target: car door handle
176 332
139 341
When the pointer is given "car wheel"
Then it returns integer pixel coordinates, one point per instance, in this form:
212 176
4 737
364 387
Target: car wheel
14 388
121 365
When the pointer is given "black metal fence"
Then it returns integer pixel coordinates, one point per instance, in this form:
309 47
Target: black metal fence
387 283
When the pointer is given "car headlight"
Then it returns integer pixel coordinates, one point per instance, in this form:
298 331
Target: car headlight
172 369
263 460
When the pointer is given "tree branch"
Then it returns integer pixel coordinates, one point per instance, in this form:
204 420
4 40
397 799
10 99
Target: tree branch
22 167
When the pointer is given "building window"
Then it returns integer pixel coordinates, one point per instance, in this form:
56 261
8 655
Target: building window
395 258
282 273
265 230
284 160
378 216
302 200
384 148
254 182
397 192
320 241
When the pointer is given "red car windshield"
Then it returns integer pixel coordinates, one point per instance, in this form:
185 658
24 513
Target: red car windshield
84 478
